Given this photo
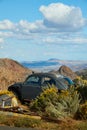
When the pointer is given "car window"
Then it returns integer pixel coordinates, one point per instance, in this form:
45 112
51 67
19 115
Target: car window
33 79
48 80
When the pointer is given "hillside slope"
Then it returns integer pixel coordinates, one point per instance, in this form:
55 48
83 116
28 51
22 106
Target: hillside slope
11 72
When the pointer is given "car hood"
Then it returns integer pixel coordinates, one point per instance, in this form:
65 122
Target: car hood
18 84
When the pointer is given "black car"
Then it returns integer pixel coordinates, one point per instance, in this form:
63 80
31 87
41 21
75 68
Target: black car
33 85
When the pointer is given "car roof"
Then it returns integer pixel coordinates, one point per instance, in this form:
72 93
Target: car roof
53 75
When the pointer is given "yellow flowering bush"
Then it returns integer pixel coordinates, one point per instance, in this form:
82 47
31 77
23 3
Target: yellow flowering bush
48 94
56 104
2 92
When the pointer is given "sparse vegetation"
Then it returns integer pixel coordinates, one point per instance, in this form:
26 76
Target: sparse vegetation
66 110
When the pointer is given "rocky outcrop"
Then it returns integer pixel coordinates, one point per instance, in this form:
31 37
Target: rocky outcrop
66 71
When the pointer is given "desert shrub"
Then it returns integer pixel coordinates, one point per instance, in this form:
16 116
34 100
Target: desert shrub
80 82
49 94
81 85
58 105
83 93
70 98
82 111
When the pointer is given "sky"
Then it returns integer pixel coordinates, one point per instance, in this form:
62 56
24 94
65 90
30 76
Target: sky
37 30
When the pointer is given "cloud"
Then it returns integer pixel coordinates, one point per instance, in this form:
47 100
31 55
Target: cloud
1 40
64 39
63 17
34 27
6 25
6 34
61 24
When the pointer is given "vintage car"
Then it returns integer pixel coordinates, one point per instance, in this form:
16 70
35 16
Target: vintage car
34 83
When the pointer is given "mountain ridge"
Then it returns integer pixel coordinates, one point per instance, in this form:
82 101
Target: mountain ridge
50 64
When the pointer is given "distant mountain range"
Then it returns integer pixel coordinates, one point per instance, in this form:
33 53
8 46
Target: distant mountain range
54 64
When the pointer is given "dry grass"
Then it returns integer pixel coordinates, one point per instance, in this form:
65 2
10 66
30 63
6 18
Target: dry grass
67 124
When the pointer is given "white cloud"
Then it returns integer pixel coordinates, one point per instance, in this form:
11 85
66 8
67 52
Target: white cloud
26 25
63 17
6 34
34 27
1 40
6 25
60 25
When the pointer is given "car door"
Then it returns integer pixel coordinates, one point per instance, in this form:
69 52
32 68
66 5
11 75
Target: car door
31 88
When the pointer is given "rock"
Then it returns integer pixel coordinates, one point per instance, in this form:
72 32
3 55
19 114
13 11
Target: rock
66 71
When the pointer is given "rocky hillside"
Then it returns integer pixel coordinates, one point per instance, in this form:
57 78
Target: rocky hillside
11 72
66 71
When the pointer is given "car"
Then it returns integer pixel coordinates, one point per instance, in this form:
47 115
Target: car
34 84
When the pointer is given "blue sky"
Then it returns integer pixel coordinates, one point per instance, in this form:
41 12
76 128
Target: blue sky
33 30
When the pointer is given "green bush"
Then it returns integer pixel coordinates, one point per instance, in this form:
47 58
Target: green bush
83 93
81 85
82 111
56 105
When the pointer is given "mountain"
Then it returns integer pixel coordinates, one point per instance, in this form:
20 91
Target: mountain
10 72
54 64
